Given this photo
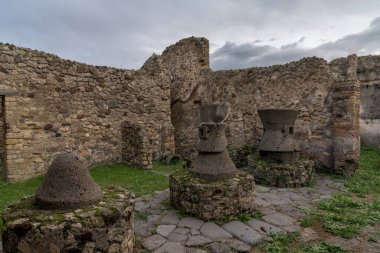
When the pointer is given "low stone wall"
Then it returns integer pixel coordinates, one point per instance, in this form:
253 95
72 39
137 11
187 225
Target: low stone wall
212 199
296 174
104 227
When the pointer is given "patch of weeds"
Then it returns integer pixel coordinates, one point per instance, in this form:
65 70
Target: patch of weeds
246 216
183 214
347 231
243 217
166 204
323 247
280 242
256 214
374 237
141 216
366 179
308 222
174 166
343 216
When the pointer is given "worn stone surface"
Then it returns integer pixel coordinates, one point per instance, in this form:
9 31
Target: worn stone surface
177 237
212 200
264 227
218 247
278 219
197 240
165 230
214 232
171 247
153 242
67 184
243 232
98 227
171 218
191 222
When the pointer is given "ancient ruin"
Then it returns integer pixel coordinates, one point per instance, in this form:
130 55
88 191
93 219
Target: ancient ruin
70 213
212 188
51 105
278 163
277 143
213 161
67 185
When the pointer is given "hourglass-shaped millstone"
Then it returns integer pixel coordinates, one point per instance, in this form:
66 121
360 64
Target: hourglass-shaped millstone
213 161
67 185
278 144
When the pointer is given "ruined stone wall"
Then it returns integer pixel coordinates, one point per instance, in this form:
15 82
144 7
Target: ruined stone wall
59 105
346 115
309 85
187 64
2 139
305 85
369 76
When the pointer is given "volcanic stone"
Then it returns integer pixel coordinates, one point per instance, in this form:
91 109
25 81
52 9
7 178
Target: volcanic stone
67 185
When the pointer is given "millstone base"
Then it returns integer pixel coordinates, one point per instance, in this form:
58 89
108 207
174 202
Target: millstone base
210 200
296 174
104 227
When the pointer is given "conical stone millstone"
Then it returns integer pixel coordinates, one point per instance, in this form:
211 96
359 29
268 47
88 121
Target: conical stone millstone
67 185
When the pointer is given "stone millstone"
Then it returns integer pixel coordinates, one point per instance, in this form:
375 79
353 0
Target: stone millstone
67 185
214 166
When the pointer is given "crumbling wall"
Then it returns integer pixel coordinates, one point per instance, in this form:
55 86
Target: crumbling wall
187 64
346 116
59 105
369 76
310 85
305 85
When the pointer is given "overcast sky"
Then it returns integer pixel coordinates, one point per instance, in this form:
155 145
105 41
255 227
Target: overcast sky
242 33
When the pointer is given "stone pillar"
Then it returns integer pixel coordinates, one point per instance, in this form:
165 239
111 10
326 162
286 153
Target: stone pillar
346 107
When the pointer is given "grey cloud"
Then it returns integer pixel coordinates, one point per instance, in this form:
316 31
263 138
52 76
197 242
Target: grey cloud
124 33
233 55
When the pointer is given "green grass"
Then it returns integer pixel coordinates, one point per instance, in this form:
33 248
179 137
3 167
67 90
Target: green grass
280 243
11 192
342 214
323 247
366 179
173 167
139 181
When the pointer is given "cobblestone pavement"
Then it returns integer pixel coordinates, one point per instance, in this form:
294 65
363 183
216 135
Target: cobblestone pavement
161 229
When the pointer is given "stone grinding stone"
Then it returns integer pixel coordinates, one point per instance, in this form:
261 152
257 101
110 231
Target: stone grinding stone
67 185
214 166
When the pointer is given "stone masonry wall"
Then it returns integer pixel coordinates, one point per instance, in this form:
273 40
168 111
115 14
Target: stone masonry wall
346 107
2 139
305 85
54 105
369 76
59 105
187 64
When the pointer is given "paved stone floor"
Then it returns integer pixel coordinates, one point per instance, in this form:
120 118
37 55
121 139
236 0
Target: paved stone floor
160 229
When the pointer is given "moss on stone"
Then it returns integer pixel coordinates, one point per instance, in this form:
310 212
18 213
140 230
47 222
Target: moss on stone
26 208
187 177
295 174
